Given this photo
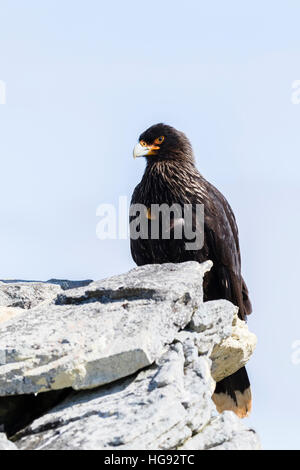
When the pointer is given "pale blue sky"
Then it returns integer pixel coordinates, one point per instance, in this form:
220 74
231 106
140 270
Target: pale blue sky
85 78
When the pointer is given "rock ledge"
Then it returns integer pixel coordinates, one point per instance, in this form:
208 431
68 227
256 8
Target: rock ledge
129 362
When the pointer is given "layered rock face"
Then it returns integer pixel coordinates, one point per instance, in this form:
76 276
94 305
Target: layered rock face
129 362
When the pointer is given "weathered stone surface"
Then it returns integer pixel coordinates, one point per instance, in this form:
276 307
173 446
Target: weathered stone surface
94 335
213 323
27 295
159 408
99 339
224 432
233 352
5 444
223 336
167 406
65 284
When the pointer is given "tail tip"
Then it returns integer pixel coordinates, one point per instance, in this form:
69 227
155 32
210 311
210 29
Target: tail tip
240 404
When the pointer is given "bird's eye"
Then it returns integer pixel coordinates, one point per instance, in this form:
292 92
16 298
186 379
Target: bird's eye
143 143
159 140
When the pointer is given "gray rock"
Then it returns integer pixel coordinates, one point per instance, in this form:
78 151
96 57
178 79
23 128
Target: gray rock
140 351
27 295
233 352
94 335
5 444
213 323
65 284
224 432
223 336
159 408
167 406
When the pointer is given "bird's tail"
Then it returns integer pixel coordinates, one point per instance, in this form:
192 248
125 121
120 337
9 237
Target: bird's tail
234 393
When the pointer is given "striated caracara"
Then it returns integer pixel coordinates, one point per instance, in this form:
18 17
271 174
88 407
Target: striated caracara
171 177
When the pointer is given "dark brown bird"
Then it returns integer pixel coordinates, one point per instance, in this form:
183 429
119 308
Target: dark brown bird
171 177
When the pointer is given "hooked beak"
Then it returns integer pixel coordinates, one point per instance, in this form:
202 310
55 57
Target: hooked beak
142 150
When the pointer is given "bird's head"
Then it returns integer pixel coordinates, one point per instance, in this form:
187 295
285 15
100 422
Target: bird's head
163 142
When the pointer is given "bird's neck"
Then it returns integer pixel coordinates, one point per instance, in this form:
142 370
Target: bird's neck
170 179
169 169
